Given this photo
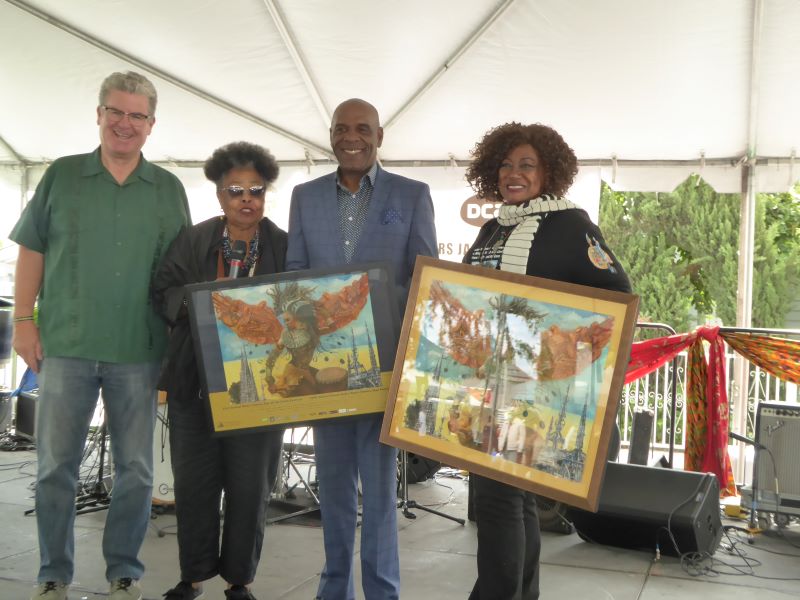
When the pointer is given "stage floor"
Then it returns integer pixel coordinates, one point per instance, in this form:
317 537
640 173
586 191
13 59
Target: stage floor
437 556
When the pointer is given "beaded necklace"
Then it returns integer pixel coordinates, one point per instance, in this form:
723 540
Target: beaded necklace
252 253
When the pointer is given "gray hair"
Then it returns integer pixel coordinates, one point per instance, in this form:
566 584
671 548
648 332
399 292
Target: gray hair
132 83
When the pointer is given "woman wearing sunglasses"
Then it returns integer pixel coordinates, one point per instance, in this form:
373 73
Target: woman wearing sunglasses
243 466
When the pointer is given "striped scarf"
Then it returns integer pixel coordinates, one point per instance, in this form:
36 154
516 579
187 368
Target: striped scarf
526 217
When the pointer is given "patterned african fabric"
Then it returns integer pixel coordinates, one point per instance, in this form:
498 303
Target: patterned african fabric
696 414
711 447
707 402
778 356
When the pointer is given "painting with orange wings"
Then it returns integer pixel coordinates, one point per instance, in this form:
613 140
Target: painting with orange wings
295 347
513 377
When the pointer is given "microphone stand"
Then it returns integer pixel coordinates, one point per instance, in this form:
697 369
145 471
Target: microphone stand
752 526
98 499
407 504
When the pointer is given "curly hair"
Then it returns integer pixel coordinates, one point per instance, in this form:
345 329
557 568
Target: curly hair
559 160
241 155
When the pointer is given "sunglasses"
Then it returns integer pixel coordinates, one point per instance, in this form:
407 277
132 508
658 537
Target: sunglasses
236 191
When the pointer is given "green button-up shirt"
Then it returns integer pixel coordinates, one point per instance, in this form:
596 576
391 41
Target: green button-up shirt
102 242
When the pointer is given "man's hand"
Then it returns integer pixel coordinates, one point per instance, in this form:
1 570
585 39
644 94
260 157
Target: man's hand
27 344
27 282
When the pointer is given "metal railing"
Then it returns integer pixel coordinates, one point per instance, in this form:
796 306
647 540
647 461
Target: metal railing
657 392
664 393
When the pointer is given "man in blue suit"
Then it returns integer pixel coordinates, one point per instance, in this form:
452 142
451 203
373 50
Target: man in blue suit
360 213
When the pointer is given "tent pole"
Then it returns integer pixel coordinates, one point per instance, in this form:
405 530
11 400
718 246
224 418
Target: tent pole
299 62
17 156
744 309
744 293
476 35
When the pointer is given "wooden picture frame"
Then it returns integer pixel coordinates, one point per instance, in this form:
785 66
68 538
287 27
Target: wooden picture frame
512 377
295 348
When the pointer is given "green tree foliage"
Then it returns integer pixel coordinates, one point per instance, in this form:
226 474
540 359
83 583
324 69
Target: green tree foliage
681 253
776 269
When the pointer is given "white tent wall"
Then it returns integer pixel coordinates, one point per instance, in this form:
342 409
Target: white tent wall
11 203
449 191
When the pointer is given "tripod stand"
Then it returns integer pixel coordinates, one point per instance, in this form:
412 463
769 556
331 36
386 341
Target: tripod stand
406 504
98 498
282 499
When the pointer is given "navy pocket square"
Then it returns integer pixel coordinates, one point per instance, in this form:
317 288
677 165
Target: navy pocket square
390 216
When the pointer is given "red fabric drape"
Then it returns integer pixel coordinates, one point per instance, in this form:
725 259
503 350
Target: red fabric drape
707 402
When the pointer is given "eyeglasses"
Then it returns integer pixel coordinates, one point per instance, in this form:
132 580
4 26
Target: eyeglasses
114 115
235 191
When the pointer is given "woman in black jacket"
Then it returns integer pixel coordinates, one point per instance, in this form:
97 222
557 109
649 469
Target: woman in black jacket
244 466
537 232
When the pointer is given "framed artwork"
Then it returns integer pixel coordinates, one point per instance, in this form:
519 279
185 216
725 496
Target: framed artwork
513 377
295 348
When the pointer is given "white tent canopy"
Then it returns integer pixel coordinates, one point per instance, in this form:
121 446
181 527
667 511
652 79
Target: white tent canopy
684 84
646 92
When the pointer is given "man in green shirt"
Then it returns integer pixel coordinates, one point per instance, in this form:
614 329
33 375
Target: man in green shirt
89 241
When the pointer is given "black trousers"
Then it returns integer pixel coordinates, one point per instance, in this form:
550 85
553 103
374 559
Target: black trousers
244 466
509 542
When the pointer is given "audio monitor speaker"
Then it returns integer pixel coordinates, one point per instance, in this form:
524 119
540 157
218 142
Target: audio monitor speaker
25 423
419 468
638 503
778 429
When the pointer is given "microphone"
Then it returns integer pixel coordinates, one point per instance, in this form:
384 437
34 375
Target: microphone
237 257
746 440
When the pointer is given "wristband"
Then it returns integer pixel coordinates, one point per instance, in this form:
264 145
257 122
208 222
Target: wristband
18 319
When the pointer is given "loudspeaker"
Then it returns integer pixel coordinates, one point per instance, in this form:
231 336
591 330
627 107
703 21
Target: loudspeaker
5 410
419 468
552 514
25 422
641 431
638 504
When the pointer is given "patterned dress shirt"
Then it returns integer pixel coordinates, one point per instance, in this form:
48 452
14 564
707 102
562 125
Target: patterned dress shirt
353 210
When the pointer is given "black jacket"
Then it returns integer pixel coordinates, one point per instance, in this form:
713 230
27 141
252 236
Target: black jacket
193 258
560 250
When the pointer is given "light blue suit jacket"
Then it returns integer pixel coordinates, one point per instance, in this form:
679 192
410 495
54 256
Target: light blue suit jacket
398 228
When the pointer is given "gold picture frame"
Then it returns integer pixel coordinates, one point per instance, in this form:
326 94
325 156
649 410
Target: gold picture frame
295 348
512 377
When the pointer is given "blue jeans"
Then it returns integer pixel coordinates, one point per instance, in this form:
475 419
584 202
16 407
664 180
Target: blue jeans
68 391
344 451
